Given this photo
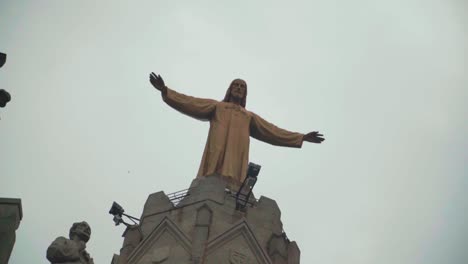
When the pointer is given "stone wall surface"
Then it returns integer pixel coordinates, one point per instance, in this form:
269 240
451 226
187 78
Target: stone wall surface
205 227
10 216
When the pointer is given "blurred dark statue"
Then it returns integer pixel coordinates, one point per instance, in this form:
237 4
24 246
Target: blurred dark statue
4 95
2 59
73 250
4 98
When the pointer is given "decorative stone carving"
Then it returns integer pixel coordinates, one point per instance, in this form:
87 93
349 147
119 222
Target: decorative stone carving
159 256
73 250
238 257
166 244
237 245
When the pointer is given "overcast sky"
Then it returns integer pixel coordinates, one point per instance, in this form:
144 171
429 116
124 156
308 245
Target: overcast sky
385 81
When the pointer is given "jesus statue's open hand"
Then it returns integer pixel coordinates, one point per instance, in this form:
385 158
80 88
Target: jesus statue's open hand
158 82
313 137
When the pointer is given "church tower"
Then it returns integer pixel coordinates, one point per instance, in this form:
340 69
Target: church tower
205 224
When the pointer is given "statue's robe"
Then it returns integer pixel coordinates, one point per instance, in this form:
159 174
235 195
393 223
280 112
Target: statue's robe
227 146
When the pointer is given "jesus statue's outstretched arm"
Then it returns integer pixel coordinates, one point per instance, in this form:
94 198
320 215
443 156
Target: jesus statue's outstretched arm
269 133
198 108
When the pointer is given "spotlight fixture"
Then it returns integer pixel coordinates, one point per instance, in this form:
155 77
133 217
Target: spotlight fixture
117 211
244 192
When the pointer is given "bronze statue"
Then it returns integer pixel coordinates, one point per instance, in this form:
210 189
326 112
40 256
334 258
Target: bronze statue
231 125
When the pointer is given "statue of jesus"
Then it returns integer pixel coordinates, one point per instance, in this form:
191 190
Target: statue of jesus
231 126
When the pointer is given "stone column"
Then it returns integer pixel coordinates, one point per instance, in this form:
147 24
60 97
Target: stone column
10 216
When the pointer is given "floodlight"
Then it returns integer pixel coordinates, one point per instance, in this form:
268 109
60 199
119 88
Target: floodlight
117 219
253 170
244 192
117 211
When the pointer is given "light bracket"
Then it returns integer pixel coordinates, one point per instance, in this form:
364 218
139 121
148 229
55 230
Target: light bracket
245 190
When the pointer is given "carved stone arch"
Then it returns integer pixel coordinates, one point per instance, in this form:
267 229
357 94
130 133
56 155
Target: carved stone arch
159 244
239 243
201 232
204 216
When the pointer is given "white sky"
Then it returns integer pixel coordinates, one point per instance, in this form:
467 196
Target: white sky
385 81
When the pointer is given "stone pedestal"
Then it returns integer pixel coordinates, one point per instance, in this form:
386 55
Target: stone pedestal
10 216
205 227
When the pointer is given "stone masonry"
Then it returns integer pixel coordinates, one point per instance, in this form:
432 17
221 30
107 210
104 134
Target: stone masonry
205 227
11 214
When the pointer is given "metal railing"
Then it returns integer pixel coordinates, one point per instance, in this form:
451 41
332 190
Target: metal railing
176 197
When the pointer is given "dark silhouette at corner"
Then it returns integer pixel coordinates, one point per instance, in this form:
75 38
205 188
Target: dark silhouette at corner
4 95
4 98
2 59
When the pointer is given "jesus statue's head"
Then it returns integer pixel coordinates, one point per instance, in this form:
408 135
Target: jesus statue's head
237 92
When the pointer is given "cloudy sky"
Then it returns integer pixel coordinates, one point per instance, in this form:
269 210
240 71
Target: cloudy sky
385 81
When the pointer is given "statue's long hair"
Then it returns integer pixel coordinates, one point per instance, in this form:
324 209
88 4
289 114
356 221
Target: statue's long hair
227 97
